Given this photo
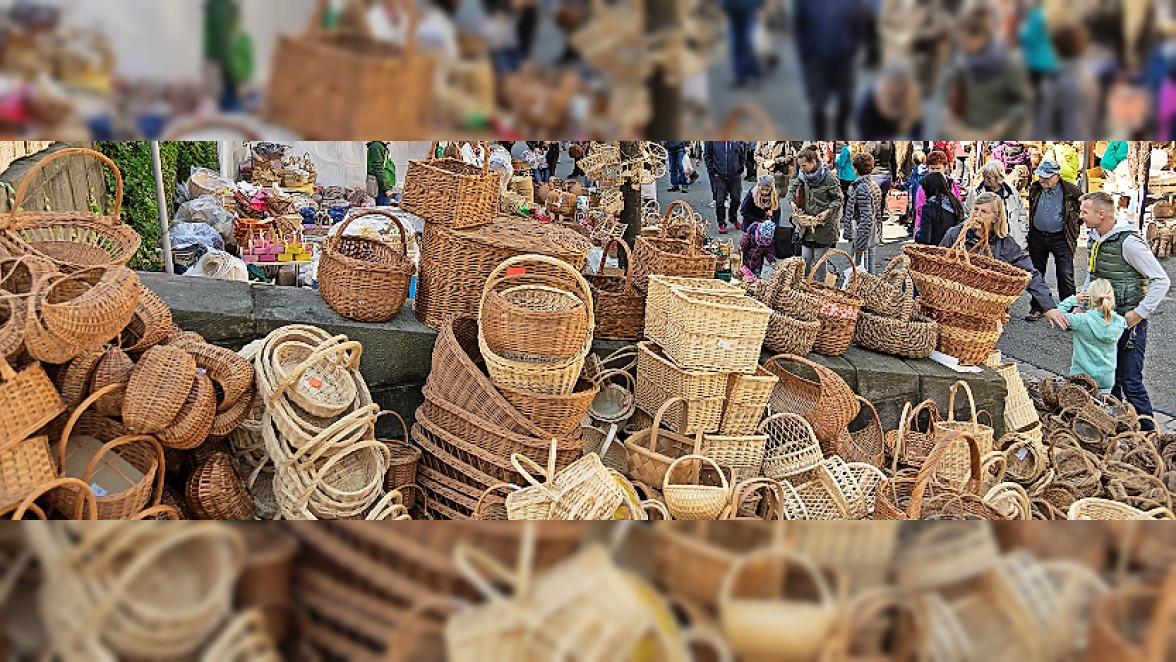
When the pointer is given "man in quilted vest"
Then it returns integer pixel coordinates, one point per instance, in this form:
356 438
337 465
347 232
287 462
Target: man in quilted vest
1121 256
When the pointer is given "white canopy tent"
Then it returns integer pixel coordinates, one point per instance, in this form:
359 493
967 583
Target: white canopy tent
339 163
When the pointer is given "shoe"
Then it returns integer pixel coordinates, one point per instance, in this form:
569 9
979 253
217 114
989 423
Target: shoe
694 177
1034 316
674 189
738 226
712 204
684 189
722 229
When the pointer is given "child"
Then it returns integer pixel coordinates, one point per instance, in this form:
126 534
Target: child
1097 330
757 245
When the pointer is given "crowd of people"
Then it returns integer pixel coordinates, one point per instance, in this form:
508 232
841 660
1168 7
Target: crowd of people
805 198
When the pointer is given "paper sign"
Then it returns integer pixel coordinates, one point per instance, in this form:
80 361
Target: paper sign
516 271
315 382
723 344
98 491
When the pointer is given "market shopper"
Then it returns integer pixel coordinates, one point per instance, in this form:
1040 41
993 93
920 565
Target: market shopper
815 192
988 218
228 49
724 166
761 203
993 180
864 209
987 90
676 155
1054 225
941 211
1121 256
844 163
1068 105
742 16
827 35
937 162
757 246
892 107
380 166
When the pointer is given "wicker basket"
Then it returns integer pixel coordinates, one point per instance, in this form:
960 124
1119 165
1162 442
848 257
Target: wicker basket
1133 623
652 451
788 335
670 257
28 401
542 377
89 308
452 192
660 380
747 400
955 279
721 333
158 387
557 415
969 339
193 423
914 337
620 308
692 500
657 303
839 309
455 264
75 240
827 403
867 445
954 468
551 319
115 367
904 498
890 294
402 463
791 446
215 491
307 94
232 373
911 444
25 465
365 279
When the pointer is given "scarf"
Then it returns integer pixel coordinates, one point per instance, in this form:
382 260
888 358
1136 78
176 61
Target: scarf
769 202
817 176
988 62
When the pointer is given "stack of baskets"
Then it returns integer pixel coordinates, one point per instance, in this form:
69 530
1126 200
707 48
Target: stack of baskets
889 321
318 428
967 292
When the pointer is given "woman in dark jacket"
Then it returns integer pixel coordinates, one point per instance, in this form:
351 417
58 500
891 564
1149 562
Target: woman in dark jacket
941 212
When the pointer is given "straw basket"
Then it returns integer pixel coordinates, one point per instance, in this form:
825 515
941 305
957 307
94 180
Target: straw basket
365 279
715 332
25 465
551 319
159 385
827 403
791 447
788 335
692 500
839 309
660 380
914 337
657 303
969 339
747 399
75 240
216 492
652 451
620 308
911 443
542 377
885 294
955 467
307 94
452 192
558 415
670 257
956 279
28 401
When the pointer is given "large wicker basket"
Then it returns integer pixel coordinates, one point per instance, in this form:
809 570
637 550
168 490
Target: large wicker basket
452 192
827 403
966 282
544 317
670 257
325 87
365 279
620 308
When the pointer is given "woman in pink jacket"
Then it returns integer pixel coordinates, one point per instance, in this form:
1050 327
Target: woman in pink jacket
937 161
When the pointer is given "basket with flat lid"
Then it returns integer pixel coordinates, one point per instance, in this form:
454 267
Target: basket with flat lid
75 240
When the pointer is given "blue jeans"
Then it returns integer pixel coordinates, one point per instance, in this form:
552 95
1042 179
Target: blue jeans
677 168
1129 372
541 175
382 199
230 101
507 60
747 65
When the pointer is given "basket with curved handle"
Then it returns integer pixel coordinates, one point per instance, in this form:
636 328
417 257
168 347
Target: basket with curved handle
509 329
162 511
302 501
915 508
628 266
389 508
86 501
338 236
12 221
748 488
628 405
690 215
480 509
693 501
851 286
581 286
219 122
865 609
336 345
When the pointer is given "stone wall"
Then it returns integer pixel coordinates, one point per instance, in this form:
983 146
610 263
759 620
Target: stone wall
397 355
65 184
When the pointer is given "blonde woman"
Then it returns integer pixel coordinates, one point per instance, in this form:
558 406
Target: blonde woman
1097 330
988 218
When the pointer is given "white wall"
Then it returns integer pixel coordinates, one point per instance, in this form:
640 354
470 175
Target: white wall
339 163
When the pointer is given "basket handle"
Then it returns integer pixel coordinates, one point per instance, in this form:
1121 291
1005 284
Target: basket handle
467 558
992 459
661 412
653 505
894 270
377 212
747 488
403 425
73 418
337 345
585 291
92 466
971 403
627 352
692 456
86 500
752 110
915 507
853 279
322 441
867 607
780 552
22 190
314 484
900 436
609 374
390 508
517 460
1019 492
155 511
482 499
628 265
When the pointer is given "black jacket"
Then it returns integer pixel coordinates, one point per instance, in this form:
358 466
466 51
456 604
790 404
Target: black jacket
1071 209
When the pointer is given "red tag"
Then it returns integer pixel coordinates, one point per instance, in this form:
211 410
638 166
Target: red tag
516 271
315 382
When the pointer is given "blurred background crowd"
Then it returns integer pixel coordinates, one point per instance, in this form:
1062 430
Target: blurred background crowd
857 69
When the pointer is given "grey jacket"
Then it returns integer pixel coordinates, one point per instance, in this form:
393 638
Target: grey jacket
1007 250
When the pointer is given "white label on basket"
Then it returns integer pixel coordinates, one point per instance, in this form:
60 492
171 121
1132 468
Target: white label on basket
723 344
315 383
1022 453
97 490
201 371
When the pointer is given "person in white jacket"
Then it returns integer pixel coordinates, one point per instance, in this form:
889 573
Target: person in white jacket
993 179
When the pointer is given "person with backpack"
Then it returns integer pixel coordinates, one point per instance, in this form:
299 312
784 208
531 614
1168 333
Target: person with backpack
940 213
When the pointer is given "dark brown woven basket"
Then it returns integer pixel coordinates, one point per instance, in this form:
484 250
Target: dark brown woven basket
971 268
914 337
215 491
557 415
620 308
192 424
669 257
455 264
828 403
365 279
402 465
788 335
452 192
158 387
115 367
150 324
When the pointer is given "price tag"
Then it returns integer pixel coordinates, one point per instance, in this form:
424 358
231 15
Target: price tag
1022 453
516 271
201 371
315 383
723 344
97 490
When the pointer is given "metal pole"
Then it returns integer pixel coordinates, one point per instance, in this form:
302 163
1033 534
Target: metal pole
1087 155
161 201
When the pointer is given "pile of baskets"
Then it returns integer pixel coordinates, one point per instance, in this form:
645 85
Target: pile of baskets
890 321
1161 233
968 292
318 430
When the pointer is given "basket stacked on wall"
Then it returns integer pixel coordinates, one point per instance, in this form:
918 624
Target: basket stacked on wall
968 292
668 256
365 279
889 321
451 192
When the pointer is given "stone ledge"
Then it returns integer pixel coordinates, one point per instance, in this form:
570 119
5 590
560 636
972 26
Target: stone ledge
398 354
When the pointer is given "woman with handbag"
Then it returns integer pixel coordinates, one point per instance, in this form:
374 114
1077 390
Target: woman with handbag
816 194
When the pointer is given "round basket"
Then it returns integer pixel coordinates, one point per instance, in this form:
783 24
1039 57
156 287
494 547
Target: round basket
403 458
652 451
544 377
827 403
115 367
536 317
318 379
158 387
969 339
365 279
557 415
788 335
613 403
232 373
692 500
791 447
839 309
192 424
914 337
215 491
75 240
974 273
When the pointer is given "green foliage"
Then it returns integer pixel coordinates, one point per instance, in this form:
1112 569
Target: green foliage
140 209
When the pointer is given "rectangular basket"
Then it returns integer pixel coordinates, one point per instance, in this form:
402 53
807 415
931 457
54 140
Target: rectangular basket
657 301
716 331
747 400
330 86
659 379
452 192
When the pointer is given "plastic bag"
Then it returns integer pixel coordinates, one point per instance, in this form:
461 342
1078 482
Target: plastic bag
184 235
207 210
203 181
220 265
